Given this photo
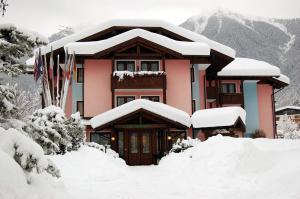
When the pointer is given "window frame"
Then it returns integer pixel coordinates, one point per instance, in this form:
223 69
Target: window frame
227 88
77 102
125 60
150 96
149 65
77 79
192 75
194 106
100 133
124 96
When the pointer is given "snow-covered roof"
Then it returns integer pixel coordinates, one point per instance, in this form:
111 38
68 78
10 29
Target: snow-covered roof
184 48
283 78
218 117
287 107
141 23
158 108
249 67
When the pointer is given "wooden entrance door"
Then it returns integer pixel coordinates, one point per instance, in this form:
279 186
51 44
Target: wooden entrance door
140 147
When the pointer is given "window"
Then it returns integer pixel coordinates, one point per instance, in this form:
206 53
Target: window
80 75
126 66
101 138
149 65
124 99
151 98
192 74
193 105
79 107
228 88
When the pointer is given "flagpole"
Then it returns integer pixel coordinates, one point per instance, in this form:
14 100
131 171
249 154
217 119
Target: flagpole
57 82
51 66
45 72
67 82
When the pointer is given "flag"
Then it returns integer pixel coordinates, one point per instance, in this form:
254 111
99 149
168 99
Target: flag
51 66
36 68
40 64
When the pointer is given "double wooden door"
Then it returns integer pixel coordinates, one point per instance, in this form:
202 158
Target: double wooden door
139 147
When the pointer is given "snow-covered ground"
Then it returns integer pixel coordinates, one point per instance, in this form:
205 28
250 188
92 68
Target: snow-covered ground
221 167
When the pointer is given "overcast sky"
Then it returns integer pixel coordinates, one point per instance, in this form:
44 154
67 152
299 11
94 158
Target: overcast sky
45 16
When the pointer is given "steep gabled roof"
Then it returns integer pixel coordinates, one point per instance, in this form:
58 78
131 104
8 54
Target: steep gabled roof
182 47
140 23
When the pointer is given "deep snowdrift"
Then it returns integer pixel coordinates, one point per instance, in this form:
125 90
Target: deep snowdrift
221 167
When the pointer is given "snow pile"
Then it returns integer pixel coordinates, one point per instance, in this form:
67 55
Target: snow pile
287 107
249 67
182 47
158 108
225 167
84 171
218 117
122 74
13 182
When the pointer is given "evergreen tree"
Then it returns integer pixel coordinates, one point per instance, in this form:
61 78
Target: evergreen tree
15 45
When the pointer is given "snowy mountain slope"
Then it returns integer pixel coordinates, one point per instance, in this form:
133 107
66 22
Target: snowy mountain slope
273 40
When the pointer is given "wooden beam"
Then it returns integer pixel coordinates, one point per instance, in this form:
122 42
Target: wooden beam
139 126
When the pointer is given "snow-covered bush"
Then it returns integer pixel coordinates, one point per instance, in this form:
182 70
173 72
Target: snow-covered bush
75 129
28 154
287 128
56 134
7 97
258 133
47 127
183 144
103 149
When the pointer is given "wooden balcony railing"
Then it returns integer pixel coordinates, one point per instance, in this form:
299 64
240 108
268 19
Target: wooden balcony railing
211 92
152 81
224 98
231 98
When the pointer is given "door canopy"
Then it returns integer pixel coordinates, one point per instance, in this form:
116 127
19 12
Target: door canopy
163 111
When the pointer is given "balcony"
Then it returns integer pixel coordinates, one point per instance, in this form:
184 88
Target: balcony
211 93
231 98
138 80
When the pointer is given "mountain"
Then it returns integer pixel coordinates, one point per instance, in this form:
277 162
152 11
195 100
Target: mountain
276 41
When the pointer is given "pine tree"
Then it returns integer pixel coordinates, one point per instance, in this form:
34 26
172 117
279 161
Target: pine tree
15 45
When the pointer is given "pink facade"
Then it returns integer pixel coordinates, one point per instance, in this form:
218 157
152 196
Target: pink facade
179 84
265 107
97 91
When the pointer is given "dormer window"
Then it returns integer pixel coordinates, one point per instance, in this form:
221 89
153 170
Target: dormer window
125 66
149 65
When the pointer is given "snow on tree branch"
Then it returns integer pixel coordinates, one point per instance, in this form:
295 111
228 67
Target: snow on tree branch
3 5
